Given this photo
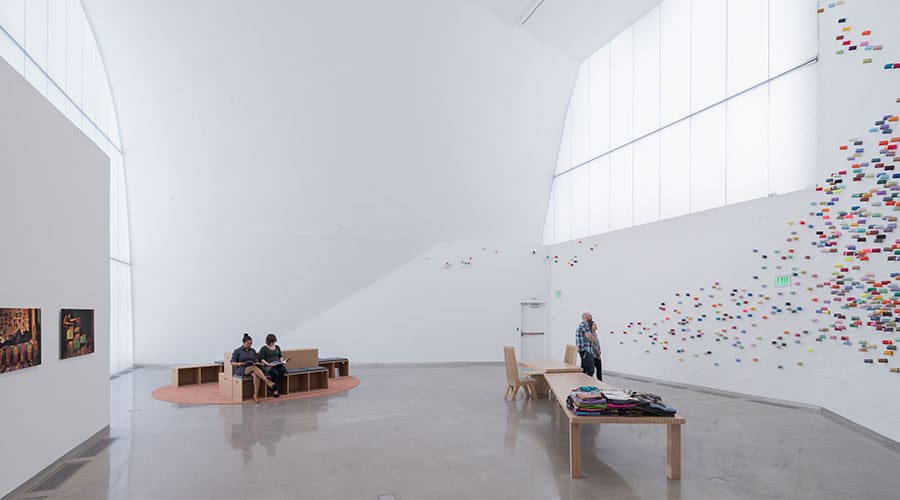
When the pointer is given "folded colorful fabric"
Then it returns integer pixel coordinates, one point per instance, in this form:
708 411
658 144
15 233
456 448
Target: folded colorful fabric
591 401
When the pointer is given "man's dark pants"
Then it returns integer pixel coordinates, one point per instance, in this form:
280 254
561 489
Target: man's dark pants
589 362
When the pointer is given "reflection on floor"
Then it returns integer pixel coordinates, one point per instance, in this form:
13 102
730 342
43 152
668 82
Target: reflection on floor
447 433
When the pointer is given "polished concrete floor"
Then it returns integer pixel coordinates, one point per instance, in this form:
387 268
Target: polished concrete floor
447 433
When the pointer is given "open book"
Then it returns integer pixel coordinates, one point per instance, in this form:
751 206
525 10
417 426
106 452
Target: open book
275 363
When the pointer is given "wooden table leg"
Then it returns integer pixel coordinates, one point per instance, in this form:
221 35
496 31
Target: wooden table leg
540 385
673 452
575 449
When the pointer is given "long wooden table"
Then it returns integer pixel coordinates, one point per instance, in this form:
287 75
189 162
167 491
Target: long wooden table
550 366
543 367
562 384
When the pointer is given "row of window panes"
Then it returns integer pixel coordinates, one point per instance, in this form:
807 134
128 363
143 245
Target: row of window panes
681 57
121 346
60 43
760 142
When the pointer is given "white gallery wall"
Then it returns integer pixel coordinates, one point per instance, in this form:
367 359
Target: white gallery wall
649 286
283 157
55 217
51 43
457 301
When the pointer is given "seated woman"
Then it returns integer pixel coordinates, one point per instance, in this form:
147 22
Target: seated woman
273 363
244 360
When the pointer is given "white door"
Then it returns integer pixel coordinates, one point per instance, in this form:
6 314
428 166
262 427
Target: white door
533 329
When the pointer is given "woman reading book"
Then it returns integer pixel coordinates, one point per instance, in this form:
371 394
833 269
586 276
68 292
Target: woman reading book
273 363
244 360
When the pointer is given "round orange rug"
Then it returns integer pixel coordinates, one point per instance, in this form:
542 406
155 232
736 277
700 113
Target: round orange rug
208 394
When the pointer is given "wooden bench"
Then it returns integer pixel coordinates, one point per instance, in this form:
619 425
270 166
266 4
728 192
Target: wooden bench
196 374
305 380
303 375
561 384
337 367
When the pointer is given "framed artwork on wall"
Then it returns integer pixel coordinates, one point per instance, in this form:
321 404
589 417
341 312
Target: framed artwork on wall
76 332
20 338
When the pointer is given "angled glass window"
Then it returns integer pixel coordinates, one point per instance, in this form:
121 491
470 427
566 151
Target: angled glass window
698 104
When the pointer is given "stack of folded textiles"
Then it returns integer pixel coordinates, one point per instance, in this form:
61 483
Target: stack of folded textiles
590 400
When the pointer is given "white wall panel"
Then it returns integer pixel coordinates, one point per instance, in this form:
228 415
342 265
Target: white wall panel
114 125
564 155
792 34
708 55
74 83
548 237
89 71
599 98
646 179
580 115
103 99
125 356
675 170
562 187
708 159
598 171
748 145
12 18
115 341
621 69
10 52
36 30
57 40
621 185
748 44
675 60
793 114
646 73
124 247
114 192
35 77
580 203
122 349
56 96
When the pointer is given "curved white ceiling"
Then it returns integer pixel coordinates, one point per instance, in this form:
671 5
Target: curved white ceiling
283 154
576 28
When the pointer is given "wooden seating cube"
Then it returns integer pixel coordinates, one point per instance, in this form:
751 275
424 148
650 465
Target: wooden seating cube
336 366
195 374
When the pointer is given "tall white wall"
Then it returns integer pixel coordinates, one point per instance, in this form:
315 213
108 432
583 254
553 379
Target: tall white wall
283 156
54 212
629 274
435 308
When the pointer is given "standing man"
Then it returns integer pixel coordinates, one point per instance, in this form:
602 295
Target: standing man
588 348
